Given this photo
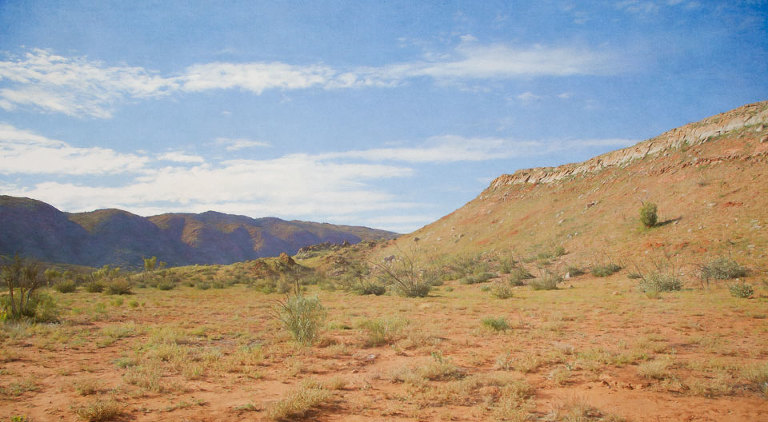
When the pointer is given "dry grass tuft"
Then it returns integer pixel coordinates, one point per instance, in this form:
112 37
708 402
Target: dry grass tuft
299 403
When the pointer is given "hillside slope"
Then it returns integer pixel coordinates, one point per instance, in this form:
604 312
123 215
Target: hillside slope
35 229
709 179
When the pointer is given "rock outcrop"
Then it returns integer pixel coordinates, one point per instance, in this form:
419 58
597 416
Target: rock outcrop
751 115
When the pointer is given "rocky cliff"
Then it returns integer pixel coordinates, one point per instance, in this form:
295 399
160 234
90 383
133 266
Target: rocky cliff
751 116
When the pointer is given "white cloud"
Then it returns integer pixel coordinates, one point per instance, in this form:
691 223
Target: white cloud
24 152
255 77
445 149
77 86
181 157
234 144
74 86
285 186
528 96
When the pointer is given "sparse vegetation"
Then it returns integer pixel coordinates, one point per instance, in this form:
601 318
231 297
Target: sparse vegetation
299 403
100 410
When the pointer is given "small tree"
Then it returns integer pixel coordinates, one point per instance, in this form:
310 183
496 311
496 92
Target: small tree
21 279
648 215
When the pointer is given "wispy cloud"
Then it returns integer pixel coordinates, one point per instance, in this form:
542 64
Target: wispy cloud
445 149
235 144
255 77
76 86
181 157
25 152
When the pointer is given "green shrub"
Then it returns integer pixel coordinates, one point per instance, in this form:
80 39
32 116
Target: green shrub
38 307
506 265
477 278
648 215
65 286
302 316
574 271
501 289
547 281
495 324
656 282
21 279
517 275
741 290
605 270
119 287
382 331
201 285
370 288
165 285
722 268
407 277
94 287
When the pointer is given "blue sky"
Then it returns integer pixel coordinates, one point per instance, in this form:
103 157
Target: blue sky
385 114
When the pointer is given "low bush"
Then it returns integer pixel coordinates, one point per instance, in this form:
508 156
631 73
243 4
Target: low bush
37 307
477 278
656 282
495 324
741 290
100 410
605 270
65 286
648 214
574 271
381 331
722 268
517 275
119 287
302 316
547 281
501 289
165 285
406 276
94 287
299 403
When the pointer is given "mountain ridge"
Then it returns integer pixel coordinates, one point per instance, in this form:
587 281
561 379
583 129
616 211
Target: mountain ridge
707 178
117 237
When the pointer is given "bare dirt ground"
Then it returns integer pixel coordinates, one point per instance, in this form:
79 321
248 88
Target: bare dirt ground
595 349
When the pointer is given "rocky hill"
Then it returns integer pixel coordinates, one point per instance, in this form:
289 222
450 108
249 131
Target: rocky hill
709 180
35 229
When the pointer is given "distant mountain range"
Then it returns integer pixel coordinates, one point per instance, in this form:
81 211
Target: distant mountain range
35 229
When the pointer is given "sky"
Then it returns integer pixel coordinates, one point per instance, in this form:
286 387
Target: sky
387 114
